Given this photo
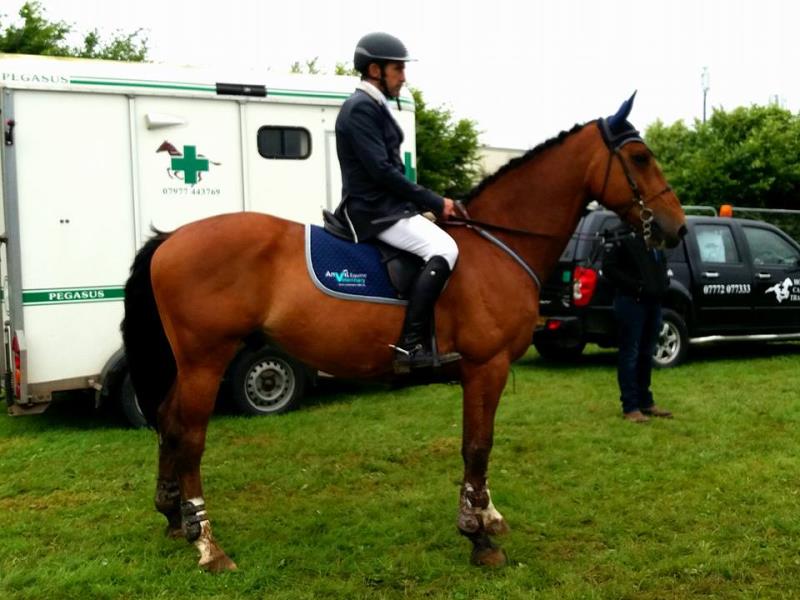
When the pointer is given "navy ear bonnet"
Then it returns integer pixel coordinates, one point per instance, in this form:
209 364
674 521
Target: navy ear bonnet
616 129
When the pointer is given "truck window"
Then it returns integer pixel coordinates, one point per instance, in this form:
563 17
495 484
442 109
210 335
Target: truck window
588 236
592 247
284 142
610 222
769 248
716 244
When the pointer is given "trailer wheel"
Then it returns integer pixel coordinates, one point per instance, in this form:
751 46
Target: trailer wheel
129 404
266 382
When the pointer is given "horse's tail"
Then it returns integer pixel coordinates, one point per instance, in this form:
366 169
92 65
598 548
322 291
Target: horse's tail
151 363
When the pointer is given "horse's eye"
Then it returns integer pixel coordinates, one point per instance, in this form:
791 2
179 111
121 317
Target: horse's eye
641 159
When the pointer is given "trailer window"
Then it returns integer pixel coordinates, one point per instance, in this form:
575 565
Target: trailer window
284 142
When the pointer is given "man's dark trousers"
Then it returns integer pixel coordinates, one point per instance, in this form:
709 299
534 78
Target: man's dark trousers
638 326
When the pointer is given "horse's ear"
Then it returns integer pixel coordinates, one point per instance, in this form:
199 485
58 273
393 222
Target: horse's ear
617 121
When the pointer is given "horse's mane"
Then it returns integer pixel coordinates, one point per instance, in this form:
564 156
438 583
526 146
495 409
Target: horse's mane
521 160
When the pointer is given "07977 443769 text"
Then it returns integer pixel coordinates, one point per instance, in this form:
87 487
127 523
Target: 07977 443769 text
190 191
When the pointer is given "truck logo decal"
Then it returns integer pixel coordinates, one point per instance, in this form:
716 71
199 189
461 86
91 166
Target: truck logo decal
781 290
190 163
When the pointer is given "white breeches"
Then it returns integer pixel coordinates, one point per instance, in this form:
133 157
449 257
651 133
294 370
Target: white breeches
422 237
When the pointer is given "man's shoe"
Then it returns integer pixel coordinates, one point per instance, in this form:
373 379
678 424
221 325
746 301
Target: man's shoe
635 416
655 411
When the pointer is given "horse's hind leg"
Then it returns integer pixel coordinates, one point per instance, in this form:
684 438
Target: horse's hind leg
168 494
182 427
477 518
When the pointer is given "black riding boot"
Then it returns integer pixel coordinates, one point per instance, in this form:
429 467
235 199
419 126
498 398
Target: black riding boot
414 351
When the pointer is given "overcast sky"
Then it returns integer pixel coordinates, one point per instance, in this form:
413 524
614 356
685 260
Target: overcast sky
524 70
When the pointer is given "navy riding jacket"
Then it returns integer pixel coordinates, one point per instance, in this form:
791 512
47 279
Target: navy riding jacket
375 190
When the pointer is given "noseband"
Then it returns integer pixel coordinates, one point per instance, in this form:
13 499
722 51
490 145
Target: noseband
615 142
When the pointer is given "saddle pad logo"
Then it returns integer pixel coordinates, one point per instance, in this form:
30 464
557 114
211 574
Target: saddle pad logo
347 279
347 270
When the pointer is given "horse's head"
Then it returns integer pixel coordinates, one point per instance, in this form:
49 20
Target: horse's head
628 180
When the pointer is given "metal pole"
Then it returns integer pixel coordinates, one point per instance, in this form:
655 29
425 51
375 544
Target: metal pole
705 92
774 211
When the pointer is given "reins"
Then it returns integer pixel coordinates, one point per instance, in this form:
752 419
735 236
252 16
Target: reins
480 227
468 221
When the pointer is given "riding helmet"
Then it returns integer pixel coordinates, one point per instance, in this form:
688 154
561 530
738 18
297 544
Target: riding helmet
376 47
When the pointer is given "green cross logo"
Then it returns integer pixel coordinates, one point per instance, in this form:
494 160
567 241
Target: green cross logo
190 164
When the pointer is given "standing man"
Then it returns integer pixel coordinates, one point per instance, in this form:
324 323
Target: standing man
379 202
639 275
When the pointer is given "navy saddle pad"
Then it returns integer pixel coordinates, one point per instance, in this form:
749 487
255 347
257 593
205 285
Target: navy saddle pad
347 270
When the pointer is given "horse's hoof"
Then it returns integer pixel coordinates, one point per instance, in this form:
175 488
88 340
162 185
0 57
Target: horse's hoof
218 564
498 527
489 557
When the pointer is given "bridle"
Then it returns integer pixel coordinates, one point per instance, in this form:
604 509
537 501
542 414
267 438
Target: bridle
615 141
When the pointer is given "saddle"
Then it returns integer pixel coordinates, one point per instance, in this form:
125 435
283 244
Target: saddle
400 266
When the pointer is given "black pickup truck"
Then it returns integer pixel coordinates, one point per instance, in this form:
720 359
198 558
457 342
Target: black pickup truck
731 279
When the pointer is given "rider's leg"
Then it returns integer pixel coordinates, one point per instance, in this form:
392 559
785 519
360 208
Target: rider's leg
421 237
414 349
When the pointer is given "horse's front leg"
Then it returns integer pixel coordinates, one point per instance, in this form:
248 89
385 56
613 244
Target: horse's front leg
477 517
182 431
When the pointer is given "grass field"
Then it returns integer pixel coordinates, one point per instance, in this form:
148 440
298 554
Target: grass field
355 495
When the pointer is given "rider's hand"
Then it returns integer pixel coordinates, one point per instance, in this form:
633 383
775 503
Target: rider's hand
449 209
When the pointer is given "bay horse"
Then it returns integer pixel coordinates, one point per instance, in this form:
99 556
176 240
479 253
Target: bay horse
194 294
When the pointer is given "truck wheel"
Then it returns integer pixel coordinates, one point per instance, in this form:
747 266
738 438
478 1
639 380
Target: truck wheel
266 382
673 341
564 352
129 404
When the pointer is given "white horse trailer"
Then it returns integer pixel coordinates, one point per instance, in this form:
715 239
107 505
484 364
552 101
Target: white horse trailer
95 154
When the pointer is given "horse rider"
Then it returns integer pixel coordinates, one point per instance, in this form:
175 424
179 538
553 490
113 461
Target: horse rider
379 202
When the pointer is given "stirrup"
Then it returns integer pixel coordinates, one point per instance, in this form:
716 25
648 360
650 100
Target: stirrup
419 357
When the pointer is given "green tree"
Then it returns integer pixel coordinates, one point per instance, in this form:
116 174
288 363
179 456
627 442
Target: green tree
38 35
310 67
346 68
746 157
447 150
